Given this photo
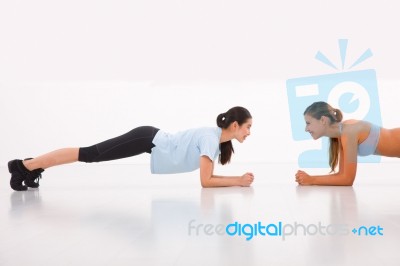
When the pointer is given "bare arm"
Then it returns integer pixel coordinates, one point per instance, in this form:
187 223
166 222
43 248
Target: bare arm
208 179
347 167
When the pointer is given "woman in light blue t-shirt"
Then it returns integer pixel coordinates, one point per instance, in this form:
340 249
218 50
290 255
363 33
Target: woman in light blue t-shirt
181 152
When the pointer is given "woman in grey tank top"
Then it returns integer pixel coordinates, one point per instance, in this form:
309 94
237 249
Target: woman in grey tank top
348 139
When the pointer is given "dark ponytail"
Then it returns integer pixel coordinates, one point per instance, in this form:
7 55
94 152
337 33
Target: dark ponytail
236 114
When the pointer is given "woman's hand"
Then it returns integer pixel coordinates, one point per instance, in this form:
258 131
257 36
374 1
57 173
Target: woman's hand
246 179
303 178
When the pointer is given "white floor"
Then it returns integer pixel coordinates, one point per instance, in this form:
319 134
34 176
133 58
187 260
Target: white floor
105 214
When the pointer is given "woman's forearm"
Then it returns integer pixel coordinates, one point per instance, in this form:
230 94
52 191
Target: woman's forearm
221 181
332 180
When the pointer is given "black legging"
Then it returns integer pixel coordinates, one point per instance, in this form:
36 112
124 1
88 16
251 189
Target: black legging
136 141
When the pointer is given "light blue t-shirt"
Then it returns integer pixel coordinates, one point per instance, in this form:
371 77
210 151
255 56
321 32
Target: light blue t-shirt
181 152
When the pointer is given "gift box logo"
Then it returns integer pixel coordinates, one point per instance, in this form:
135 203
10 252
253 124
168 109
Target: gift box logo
355 93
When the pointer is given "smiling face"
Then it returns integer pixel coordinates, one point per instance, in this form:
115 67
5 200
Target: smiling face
315 127
241 132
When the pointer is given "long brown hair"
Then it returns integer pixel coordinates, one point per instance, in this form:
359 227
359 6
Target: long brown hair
319 109
235 114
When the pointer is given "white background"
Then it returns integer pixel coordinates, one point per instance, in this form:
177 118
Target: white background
73 73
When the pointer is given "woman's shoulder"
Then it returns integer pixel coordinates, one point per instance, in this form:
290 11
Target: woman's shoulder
356 126
209 131
202 131
206 129
353 122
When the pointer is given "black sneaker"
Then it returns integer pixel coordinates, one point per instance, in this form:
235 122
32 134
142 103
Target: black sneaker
17 175
32 177
20 175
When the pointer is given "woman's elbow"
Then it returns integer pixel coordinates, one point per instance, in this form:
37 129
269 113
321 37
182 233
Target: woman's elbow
348 181
206 185
205 182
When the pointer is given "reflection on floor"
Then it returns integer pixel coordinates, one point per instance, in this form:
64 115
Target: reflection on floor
123 215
